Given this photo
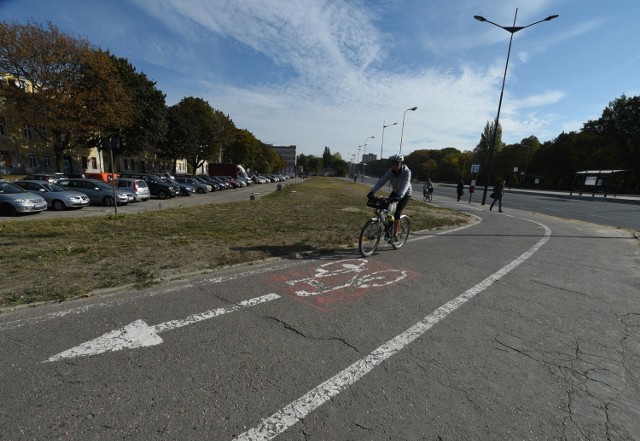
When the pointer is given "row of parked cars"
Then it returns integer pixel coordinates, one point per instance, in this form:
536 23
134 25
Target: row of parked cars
36 193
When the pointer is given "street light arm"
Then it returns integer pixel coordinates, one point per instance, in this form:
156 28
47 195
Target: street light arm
514 29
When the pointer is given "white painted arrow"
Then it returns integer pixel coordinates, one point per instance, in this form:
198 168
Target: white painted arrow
138 334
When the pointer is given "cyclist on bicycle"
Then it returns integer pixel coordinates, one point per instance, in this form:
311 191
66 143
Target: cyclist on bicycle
427 188
399 176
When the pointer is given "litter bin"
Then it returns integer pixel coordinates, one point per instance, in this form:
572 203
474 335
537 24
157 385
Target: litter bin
253 196
279 187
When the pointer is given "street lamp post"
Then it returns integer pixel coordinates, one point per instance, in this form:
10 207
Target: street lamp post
382 141
364 152
511 30
402 132
526 163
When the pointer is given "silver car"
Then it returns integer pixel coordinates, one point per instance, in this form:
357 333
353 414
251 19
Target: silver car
14 200
200 187
99 192
58 198
138 187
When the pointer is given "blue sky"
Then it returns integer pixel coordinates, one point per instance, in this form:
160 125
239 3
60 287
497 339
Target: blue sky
318 73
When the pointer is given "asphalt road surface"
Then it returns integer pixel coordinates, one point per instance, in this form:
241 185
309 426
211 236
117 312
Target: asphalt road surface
620 211
517 326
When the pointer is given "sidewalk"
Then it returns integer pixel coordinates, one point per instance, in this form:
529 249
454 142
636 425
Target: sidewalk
622 199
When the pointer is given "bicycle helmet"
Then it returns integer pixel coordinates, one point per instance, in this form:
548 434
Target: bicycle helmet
396 158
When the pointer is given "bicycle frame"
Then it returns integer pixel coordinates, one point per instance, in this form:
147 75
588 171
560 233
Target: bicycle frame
380 224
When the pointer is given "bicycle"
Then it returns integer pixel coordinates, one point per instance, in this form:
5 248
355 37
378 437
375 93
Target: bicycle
427 196
382 225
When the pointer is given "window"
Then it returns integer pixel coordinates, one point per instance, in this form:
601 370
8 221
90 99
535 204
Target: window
2 127
94 163
47 162
84 162
33 163
27 132
5 158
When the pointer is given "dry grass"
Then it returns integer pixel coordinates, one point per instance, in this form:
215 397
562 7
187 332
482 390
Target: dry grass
61 259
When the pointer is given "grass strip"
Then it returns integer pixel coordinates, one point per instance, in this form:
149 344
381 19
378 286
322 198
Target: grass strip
65 258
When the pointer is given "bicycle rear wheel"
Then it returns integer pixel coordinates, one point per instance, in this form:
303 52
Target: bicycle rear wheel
403 231
369 237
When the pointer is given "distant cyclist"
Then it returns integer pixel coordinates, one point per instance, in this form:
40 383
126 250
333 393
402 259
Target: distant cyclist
399 176
427 190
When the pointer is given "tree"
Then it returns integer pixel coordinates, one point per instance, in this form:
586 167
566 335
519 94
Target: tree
196 132
482 151
245 149
149 124
326 158
314 164
64 89
619 128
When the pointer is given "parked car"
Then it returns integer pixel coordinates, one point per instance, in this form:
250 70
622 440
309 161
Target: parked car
58 198
212 181
199 186
15 200
185 189
100 193
138 187
157 186
232 182
54 177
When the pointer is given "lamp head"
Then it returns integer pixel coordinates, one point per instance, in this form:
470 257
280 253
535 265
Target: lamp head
551 17
413 109
479 18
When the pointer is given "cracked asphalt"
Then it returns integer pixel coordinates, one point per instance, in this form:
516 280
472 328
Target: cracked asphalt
549 349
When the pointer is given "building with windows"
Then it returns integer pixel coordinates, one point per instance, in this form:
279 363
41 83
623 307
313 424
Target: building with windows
288 153
369 157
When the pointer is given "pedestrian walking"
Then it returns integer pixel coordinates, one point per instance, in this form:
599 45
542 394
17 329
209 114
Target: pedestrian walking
498 191
460 189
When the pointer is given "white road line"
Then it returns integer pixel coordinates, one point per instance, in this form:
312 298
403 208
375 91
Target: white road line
139 335
295 411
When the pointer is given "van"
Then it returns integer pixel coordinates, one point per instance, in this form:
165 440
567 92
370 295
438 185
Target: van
104 177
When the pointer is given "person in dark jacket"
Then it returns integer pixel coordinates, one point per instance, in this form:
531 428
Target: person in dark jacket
498 191
460 189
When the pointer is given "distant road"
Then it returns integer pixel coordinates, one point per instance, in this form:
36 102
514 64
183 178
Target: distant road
621 212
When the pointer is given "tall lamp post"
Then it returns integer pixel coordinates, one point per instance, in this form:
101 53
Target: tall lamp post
382 141
512 30
413 109
364 152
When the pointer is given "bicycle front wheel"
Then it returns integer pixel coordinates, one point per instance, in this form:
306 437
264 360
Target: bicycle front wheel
403 231
369 237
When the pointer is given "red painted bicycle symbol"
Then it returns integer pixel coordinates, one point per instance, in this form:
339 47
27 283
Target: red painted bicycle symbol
335 284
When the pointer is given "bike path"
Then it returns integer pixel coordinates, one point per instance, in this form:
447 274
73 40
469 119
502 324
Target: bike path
292 347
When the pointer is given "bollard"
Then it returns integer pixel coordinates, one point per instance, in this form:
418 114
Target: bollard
279 187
